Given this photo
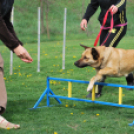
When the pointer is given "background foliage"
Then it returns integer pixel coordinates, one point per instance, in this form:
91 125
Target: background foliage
25 19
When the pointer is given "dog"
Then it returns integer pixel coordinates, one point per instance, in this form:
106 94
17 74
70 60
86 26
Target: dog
108 61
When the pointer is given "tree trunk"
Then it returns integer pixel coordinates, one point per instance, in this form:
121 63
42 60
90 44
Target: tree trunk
83 7
83 11
42 17
46 14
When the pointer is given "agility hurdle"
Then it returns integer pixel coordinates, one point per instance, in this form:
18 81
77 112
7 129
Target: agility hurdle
50 94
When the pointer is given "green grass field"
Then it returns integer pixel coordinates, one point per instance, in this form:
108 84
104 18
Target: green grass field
25 86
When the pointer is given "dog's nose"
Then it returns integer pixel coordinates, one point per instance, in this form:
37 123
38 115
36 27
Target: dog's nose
76 63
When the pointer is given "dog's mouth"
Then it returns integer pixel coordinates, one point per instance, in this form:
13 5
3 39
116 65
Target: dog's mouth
78 64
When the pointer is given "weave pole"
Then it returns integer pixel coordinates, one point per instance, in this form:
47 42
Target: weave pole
11 53
64 39
38 58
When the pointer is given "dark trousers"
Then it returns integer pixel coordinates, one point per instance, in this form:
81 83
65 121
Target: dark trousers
112 41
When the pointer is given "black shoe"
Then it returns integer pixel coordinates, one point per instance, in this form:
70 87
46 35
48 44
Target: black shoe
129 84
97 95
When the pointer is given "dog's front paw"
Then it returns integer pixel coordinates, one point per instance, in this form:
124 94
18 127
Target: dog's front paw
89 88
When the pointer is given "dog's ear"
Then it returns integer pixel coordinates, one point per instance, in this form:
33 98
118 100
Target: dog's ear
84 46
95 54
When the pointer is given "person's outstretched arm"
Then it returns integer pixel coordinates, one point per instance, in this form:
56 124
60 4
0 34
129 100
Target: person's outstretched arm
9 38
91 9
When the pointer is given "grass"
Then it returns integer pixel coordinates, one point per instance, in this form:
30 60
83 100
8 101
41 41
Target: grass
25 86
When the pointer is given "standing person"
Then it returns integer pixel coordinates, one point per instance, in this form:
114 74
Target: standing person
9 38
118 7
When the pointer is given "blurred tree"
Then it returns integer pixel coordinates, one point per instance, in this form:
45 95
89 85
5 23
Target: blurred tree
44 4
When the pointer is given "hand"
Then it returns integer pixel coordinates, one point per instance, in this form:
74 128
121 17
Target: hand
83 24
22 53
114 9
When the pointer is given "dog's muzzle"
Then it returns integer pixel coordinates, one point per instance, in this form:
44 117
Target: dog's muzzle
78 64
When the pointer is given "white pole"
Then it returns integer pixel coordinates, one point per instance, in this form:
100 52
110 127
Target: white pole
38 64
11 53
64 39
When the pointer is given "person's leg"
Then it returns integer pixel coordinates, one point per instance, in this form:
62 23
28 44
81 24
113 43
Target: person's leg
120 34
4 124
114 38
98 90
102 38
3 101
3 94
129 80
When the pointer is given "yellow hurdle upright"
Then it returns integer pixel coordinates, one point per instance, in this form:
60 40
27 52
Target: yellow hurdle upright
93 93
69 89
96 88
120 95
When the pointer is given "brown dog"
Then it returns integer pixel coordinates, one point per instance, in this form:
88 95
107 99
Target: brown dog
107 61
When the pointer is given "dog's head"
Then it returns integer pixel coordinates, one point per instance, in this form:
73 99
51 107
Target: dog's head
90 57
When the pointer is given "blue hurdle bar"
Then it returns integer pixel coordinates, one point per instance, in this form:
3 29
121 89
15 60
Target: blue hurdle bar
48 91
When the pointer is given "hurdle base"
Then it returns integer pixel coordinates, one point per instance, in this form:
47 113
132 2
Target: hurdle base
42 107
45 93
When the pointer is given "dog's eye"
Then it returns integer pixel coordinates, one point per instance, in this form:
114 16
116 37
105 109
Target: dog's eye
85 57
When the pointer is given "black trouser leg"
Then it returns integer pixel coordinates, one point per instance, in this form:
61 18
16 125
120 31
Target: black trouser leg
112 41
99 90
100 86
129 80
